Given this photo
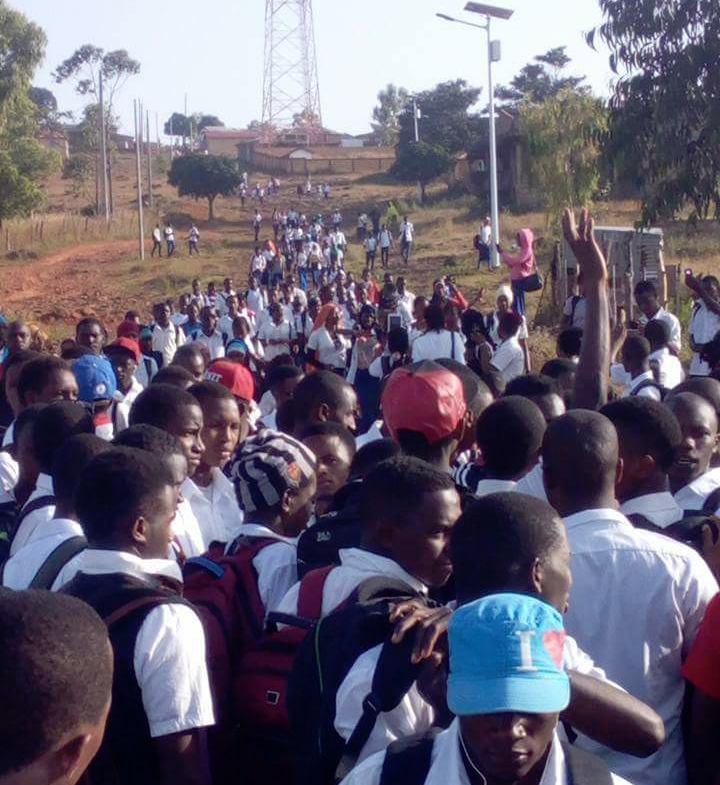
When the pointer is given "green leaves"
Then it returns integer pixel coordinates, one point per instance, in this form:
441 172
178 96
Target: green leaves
422 162
665 132
22 48
204 177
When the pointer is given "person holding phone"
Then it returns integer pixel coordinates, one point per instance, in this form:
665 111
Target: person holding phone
522 265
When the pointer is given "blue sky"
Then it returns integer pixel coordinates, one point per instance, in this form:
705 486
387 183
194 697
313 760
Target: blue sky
213 50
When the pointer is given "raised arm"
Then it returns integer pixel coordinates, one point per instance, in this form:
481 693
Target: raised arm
591 382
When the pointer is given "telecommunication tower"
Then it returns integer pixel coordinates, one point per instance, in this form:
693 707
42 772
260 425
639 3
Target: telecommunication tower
290 83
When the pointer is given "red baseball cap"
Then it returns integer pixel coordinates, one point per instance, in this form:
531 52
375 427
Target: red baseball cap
236 377
130 344
423 397
128 328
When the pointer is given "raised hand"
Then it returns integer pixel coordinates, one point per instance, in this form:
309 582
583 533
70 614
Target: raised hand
581 238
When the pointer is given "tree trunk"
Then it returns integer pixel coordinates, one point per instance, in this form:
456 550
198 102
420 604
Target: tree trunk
97 185
422 192
211 211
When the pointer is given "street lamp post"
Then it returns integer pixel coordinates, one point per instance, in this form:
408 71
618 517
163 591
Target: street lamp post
493 47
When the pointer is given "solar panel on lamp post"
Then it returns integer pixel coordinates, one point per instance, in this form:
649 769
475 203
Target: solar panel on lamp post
489 11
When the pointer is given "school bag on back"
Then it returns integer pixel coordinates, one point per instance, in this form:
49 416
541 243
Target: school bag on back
225 594
324 659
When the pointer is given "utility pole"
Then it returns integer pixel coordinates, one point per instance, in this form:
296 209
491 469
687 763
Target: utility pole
148 144
415 119
103 149
493 55
138 140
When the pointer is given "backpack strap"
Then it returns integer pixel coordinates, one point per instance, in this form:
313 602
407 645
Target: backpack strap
36 504
649 383
639 521
408 761
50 568
310 595
584 768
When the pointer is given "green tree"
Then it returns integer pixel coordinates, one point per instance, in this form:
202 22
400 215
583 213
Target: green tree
392 101
564 137
204 177
207 120
666 106
79 169
22 48
24 162
85 66
445 119
422 162
541 79
178 124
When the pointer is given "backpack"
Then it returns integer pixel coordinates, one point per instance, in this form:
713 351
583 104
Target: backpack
56 560
322 662
36 504
408 762
261 741
651 383
477 243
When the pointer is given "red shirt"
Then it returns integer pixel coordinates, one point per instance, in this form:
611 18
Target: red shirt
702 666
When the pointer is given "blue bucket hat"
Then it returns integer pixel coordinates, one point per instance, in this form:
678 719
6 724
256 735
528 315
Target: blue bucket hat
95 378
506 655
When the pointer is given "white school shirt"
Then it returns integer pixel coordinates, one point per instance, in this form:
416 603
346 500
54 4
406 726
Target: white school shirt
276 332
157 236
169 658
438 344
370 243
276 565
693 495
328 351
407 231
258 263
494 334
704 326
485 234
486 487
120 414
578 313
356 566
620 376
448 768
186 530
659 508
532 484
33 525
9 472
672 322
636 603
214 343
167 340
21 568
508 359
215 508
256 301
670 370
385 238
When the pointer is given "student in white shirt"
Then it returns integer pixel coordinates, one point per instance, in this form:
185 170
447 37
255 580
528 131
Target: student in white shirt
508 359
276 333
437 342
705 319
637 597
222 299
509 434
124 354
255 296
649 435
666 367
327 347
385 240
507 711
209 336
21 570
646 298
274 479
178 413
157 241
125 504
575 307
52 426
634 372
210 494
407 239
232 311
167 337
691 478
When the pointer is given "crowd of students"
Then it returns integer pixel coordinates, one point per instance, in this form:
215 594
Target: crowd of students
323 529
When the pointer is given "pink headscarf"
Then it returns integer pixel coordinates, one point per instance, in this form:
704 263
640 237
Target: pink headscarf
523 264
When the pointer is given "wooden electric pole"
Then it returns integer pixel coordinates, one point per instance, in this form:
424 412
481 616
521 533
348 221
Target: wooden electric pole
103 149
138 141
148 148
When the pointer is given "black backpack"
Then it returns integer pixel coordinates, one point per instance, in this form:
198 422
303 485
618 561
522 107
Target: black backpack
322 662
408 762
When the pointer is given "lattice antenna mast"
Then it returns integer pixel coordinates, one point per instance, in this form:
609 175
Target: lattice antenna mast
290 83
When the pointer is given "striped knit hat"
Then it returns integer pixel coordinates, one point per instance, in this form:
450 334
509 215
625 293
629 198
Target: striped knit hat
267 465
